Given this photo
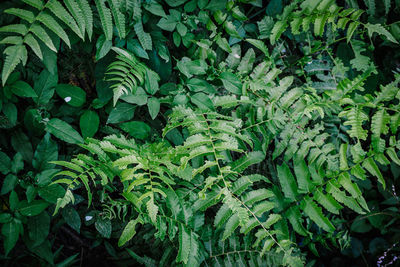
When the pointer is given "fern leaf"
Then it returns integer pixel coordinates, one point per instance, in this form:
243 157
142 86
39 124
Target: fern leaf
14 55
38 4
119 18
286 179
105 18
244 162
223 214
184 244
351 29
319 24
144 38
316 215
379 126
327 201
152 209
302 174
231 225
355 117
88 16
371 7
53 25
15 28
57 9
372 168
343 157
15 40
23 14
378 28
277 30
352 188
333 189
42 35
77 13
34 45
256 195
294 216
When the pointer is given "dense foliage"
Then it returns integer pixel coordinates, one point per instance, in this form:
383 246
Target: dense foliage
199 132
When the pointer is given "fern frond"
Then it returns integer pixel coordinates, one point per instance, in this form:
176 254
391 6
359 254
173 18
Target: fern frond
119 18
105 18
14 55
60 12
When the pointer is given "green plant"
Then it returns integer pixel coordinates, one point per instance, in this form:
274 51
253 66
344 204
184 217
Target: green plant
199 132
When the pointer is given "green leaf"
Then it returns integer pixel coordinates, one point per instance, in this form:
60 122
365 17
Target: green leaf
104 227
14 55
51 193
9 183
47 150
202 101
231 83
72 95
39 227
372 168
23 89
286 179
153 105
44 87
5 163
175 3
119 18
72 218
63 131
128 232
184 244
33 208
10 232
105 18
136 129
315 214
22 144
103 46
151 82
89 123
343 157
144 37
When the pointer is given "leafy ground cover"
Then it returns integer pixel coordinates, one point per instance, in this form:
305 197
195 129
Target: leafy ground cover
199 133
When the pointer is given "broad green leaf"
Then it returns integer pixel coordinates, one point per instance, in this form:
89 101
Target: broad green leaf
89 123
5 163
153 105
63 131
136 129
104 227
51 192
22 144
33 208
72 95
202 101
10 232
9 183
47 150
231 83
72 218
23 89
103 46
39 227
44 87
121 112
